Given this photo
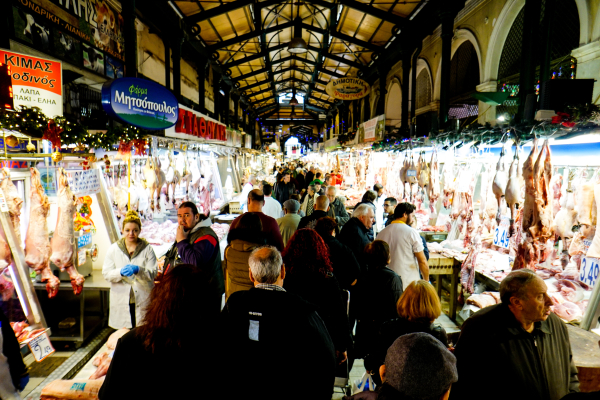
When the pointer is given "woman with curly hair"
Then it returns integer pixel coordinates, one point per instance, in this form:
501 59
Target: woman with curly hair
310 276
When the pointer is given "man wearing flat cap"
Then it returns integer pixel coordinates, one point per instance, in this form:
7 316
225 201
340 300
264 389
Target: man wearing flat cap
417 367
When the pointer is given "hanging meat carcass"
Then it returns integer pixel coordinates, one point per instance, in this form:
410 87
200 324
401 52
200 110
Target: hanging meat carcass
594 250
434 183
14 202
499 184
513 190
37 245
566 217
529 200
449 182
186 177
556 185
403 178
64 235
173 176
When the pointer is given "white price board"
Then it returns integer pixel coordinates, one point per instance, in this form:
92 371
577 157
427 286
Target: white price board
81 257
411 172
3 204
84 183
40 347
501 238
588 273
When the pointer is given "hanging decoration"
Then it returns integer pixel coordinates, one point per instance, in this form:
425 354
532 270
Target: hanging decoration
62 132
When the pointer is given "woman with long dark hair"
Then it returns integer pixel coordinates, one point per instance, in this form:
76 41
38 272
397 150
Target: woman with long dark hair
310 276
173 348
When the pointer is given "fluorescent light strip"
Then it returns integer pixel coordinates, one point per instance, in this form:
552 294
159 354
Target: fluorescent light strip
174 7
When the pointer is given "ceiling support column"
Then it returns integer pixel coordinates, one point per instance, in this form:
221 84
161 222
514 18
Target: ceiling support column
130 36
201 71
531 24
383 71
217 95
165 40
236 108
226 105
413 92
176 44
406 67
366 109
447 18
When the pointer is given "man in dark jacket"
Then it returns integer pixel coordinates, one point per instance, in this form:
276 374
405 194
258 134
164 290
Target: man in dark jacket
528 343
196 243
345 267
300 179
284 188
354 233
255 322
320 211
337 210
310 175
12 368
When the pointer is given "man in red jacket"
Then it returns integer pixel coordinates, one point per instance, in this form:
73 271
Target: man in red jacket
256 201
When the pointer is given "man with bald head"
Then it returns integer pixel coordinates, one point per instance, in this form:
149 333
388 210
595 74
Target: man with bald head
321 208
274 335
256 202
528 346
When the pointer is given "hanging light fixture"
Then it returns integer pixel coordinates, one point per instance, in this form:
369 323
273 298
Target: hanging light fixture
297 45
293 101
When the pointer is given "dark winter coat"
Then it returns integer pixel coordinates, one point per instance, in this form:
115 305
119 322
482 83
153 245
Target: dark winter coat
283 191
325 293
12 351
392 330
338 211
345 266
538 365
354 235
377 295
294 349
311 220
178 370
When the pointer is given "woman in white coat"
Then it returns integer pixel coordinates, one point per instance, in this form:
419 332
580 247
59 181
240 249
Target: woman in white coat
130 266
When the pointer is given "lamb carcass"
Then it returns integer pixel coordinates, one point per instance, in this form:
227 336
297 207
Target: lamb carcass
14 202
449 183
556 185
37 245
566 217
529 206
499 183
594 250
434 183
173 176
64 235
513 190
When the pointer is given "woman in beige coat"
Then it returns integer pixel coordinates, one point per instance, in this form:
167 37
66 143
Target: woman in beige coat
246 237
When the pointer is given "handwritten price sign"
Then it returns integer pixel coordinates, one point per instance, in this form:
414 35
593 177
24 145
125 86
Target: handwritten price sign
41 347
501 238
589 270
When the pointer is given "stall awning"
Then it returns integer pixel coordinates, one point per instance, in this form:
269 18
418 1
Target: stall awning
492 98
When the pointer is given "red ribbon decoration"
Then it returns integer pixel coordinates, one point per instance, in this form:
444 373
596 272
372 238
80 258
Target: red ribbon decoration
52 133
140 146
563 119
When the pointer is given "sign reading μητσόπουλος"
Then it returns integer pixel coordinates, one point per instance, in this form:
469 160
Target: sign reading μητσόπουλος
141 103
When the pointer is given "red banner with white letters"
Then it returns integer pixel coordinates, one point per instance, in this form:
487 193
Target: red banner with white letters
192 125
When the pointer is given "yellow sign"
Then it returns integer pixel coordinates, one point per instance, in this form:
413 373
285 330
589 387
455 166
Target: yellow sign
348 88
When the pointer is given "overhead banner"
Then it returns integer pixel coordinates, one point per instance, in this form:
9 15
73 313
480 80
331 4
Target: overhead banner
36 82
372 130
86 33
193 125
140 102
347 88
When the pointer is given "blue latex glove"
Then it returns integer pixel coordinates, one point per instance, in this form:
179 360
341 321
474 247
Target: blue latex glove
23 382
129 270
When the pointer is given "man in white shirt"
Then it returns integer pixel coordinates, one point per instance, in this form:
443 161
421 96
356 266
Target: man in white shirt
406 246
248 187
379 222
272 207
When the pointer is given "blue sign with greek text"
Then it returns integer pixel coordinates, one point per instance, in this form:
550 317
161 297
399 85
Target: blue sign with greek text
140 102
84 240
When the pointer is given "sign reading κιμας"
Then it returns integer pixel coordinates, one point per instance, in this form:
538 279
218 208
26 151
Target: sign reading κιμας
140 102
347 88
36 82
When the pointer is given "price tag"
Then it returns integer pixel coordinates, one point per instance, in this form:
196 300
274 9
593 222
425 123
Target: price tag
501 238
41 347
411 172
586 245
3 204
84 240
588 273
81 257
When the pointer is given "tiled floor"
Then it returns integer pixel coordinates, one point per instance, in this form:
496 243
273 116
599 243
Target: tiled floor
34 382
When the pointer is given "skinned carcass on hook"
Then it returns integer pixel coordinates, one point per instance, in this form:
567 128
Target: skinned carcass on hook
513 190
499 183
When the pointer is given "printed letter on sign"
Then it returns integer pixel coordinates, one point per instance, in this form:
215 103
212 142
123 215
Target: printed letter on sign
195 128
210 129
202 127
189 124
180 126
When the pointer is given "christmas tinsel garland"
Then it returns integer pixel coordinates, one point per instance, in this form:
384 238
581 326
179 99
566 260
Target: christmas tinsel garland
32 122
579 120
